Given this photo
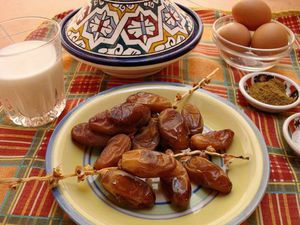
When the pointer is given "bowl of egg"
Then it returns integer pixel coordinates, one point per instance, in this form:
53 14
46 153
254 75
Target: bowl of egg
249 39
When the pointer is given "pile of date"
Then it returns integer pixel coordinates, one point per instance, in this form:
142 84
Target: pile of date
140 138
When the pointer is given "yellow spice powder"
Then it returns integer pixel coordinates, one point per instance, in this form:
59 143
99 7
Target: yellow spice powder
270 92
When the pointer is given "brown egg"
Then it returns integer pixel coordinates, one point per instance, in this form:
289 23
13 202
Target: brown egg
236 33
251 13
270 35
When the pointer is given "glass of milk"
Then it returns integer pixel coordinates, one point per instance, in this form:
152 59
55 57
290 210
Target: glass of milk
31 71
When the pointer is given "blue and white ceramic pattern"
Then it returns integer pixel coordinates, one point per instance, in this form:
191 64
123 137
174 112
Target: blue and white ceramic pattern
131 33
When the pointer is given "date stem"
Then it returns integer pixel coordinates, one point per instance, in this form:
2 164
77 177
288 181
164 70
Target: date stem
203 82
210 151
81 172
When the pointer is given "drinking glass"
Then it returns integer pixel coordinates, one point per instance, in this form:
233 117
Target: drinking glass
31 70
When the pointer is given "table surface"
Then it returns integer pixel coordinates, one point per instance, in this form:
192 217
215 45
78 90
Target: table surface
22 151
17 8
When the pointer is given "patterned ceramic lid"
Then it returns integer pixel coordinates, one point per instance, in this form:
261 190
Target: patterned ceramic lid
130 29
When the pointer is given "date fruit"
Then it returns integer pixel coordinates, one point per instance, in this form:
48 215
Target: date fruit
192 118
147 164
177 187
207 174
147 137
100 123
173 130
127 190
82 134
155 102
113 151
130 114
219 140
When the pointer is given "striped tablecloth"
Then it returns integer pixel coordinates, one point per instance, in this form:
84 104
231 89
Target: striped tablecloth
22 151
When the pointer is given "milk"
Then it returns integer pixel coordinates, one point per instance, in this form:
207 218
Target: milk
31 83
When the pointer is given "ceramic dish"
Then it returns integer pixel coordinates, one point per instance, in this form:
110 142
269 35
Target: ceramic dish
291 132
292 89
131 38
86 202
247 58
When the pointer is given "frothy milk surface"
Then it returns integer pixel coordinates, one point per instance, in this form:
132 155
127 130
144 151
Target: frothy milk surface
31 82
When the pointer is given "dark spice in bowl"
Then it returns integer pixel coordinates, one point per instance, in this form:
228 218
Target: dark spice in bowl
270 92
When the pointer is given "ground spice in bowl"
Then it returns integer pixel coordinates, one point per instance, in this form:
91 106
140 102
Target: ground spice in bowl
271 92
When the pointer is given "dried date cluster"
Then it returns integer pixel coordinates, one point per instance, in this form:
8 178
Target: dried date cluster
130 135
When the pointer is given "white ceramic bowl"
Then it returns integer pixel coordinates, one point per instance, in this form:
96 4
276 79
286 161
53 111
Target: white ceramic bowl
292 89
291 132
130 72
131 39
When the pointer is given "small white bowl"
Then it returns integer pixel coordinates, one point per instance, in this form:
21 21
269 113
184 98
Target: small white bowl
291 132
291 88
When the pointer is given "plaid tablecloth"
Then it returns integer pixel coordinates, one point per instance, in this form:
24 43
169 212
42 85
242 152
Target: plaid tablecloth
22 150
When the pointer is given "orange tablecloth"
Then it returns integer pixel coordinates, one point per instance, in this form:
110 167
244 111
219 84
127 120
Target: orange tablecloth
22 151
16 8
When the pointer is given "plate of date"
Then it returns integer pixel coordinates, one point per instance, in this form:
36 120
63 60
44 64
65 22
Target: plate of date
158 157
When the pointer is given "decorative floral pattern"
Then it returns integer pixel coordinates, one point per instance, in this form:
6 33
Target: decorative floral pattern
141 27
75 37
123 7
151 4
171 17
130 27
101 25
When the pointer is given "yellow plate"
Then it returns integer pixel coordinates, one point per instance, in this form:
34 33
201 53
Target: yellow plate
86 202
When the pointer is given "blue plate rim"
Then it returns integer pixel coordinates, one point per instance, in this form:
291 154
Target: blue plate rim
135 61
77 217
